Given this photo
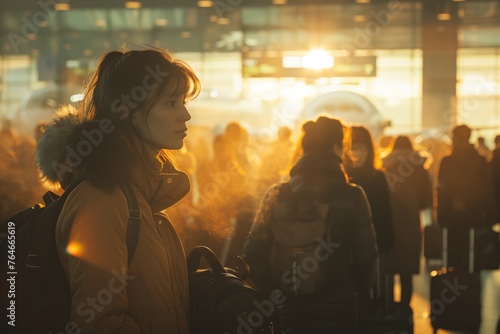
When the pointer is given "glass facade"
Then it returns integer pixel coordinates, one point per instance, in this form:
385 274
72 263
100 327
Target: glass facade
43 47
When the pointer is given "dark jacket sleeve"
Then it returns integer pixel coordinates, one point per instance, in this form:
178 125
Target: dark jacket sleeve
495 172
382 215
490 209
364 245
443 194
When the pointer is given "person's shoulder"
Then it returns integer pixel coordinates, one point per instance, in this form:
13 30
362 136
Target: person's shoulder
446 160
380 175
88 195
88 190
351 190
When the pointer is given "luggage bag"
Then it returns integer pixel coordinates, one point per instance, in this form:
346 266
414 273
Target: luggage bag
221 302
455 296
384 316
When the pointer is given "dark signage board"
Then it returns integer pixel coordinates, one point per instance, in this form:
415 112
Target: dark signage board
273 67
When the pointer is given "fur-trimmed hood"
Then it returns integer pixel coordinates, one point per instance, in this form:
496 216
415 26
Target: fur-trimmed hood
106 156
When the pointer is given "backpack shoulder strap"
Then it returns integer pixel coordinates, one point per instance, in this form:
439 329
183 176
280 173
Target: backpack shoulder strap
134 215
134 219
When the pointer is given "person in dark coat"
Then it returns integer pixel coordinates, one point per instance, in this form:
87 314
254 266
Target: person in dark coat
410 192
495 172
465 196
332 308
362 170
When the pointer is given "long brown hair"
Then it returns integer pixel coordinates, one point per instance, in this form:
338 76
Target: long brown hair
128 82
121 75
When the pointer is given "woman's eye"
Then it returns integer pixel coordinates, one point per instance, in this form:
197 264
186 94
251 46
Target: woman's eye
170 103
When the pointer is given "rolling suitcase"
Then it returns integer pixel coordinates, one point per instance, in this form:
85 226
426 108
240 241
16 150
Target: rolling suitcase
382 315
455 295
433 238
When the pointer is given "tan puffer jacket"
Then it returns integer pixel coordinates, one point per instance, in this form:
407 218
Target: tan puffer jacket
109 296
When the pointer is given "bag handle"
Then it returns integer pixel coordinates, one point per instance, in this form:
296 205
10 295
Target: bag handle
194 258
445 247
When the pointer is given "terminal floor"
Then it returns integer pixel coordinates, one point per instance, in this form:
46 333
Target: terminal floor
421 306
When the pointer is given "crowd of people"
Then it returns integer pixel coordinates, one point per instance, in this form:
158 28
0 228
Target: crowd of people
378 195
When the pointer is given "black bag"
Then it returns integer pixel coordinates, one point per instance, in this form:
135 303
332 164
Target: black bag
299 223
37 295
379 314
221 302
433 241
488 249
456 295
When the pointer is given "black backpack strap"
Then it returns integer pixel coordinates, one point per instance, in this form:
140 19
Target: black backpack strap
134 219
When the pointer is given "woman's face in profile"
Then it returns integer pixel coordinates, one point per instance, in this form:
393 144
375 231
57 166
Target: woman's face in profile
165 124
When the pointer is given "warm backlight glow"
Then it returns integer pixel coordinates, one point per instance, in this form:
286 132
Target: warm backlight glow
133 4
444 17
74 249
62 6
205 3
317 59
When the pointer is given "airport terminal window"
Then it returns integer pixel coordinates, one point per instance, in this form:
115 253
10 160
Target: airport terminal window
16 81
216 49
82 20
478 91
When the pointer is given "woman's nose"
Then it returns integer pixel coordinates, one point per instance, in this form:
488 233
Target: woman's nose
186 116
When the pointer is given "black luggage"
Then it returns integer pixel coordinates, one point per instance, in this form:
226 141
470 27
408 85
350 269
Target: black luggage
221 302
379 314
433 242
455 294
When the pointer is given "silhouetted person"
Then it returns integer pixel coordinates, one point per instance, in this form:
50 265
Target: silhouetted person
362 171
410 192
275 163
465 196
350 267
482 149
495 172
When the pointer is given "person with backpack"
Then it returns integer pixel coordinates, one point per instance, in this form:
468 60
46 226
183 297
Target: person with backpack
132 112
312 245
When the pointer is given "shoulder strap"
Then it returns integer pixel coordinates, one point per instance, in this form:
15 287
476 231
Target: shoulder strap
134 219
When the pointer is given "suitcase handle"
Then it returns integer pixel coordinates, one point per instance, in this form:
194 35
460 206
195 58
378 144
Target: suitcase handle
471 248
445 247
194 258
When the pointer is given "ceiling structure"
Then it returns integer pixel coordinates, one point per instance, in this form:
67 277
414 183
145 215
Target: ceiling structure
237 25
